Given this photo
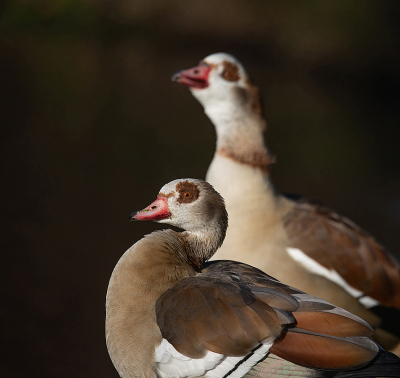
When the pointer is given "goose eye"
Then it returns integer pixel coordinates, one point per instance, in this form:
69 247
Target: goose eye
187 192
230 72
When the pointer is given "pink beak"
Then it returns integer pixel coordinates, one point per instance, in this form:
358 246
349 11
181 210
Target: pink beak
196 77
156 211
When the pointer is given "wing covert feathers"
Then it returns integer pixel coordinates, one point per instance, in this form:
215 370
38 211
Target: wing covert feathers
231 307
340 245
197 315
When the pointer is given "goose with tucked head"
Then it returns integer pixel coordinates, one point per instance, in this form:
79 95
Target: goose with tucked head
301 242
170 313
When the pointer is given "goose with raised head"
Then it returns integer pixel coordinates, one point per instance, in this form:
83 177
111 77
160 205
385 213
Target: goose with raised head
170 313
304 244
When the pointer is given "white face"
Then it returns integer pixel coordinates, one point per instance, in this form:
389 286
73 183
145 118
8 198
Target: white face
225 75
185 199
190 204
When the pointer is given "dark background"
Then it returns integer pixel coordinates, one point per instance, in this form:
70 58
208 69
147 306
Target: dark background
92 127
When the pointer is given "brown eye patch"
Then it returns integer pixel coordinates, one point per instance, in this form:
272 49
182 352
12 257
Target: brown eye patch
188 192
230 72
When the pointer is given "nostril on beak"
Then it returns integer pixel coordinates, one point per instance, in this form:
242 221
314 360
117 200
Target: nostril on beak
153 207
196 72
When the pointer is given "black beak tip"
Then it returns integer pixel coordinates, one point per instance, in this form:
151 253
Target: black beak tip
132 216
176 76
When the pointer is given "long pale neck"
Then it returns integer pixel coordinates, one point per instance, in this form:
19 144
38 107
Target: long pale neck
240 166
240 135
239 171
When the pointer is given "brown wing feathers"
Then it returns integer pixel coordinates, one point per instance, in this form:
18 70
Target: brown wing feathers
316 315
323 351
325 336
199 314
229 310
338 244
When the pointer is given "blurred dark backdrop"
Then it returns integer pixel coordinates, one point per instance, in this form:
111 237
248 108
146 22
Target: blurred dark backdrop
92 127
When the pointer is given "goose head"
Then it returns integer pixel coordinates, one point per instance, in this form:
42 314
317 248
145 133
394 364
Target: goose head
220 81
193 205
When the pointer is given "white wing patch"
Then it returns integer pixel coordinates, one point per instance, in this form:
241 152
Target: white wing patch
172 364
314 267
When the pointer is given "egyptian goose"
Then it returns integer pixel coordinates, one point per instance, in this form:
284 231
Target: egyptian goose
304 244
170 313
